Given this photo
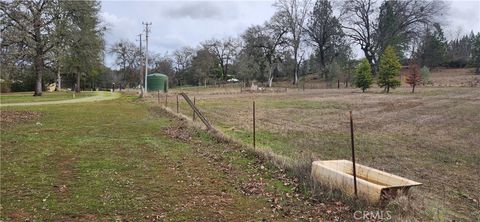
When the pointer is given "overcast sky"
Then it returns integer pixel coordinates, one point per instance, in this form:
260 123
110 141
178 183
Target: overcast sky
187 23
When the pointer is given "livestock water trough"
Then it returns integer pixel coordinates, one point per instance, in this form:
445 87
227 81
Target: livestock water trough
372 184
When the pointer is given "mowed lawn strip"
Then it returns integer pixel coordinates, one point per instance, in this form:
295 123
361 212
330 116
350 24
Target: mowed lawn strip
23 97
122 159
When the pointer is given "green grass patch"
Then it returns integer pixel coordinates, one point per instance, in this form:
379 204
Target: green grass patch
114 160
302 104
22 97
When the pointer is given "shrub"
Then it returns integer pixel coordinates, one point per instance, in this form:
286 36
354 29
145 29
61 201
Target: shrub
414 77
425 74
5 86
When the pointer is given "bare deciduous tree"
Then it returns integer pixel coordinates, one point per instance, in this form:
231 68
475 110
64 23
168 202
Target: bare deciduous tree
225 51
293 14
128 58
262 43
183 60
363 23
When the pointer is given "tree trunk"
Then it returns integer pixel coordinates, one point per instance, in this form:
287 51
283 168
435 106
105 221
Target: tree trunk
38 60
371 60
322 65
295 70
59 79
39 72
77 86
226 71
413 88
295 73
270 76
322 58
388 88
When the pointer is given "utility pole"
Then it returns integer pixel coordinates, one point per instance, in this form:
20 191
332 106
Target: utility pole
141 66
147 30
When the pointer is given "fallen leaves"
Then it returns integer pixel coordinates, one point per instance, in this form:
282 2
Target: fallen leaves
12 117
253 187
178 131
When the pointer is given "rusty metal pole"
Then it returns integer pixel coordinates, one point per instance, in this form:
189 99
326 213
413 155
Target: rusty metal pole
353 156
254 124
177 103
193 118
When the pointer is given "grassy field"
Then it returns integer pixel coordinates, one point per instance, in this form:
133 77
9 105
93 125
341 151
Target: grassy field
431 136
22 97
127 160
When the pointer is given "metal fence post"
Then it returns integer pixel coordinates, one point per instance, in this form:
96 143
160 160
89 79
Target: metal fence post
254 124
353 156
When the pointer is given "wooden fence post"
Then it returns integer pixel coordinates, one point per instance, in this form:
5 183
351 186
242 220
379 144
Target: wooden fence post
166 99
193 118
177 103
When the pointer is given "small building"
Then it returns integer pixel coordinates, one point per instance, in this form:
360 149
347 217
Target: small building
157 82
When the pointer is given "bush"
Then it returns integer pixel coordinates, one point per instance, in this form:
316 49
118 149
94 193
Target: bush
425 74
5 86
457 63
23 86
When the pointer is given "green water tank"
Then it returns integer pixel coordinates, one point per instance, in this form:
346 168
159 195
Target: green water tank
157 82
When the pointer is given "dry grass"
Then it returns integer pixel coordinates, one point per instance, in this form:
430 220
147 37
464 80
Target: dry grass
430 136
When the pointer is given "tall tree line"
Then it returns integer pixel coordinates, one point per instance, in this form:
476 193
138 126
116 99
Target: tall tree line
65 37
64 40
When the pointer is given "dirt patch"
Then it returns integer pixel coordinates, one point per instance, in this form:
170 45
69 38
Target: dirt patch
20 215
12 117
179 131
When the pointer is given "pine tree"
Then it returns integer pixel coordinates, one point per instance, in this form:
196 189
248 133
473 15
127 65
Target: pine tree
389 30
414 77
389 70
363 75
86 44
475 57
433 49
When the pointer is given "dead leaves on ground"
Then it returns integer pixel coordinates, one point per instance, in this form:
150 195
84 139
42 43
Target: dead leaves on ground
179 130
12 117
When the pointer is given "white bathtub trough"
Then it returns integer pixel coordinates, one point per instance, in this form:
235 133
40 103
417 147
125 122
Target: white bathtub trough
372 184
